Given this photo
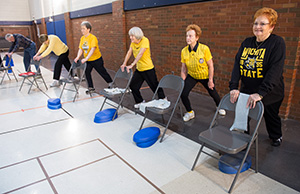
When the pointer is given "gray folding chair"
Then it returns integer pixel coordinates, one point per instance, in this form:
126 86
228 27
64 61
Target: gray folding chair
219 137
120 78
6 69
72 80
172 82
32 78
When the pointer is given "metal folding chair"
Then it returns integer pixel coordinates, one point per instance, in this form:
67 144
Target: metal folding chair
6 69
121 78
33 77
172 82
72 80
219 137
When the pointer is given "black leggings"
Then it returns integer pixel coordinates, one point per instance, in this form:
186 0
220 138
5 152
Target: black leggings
137 80
189 84
63 59
98 65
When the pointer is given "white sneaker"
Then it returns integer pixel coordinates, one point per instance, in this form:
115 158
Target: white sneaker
138 105
55 83
222 112
188 116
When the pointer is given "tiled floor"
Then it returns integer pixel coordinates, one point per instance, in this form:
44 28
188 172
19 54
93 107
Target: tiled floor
64 151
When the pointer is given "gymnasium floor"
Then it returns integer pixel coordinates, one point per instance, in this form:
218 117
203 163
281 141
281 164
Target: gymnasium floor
64 151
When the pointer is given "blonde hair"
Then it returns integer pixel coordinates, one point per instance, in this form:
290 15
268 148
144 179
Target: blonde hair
43 38
196 28
137 32
270 13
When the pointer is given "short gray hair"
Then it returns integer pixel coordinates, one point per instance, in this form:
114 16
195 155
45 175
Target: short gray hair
8 36
137 32
87 24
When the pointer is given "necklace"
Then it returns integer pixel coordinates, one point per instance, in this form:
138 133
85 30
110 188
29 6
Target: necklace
258 45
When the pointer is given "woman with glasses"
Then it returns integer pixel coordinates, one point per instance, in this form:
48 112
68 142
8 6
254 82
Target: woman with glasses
259 65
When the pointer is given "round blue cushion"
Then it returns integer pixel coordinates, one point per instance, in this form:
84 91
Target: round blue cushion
54 101
146 137
105 115
234 160
54 107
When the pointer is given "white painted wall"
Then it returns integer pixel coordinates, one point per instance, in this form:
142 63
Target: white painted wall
15 10
45 8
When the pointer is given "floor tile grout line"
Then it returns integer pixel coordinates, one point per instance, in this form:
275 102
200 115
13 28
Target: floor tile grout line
81 166
54 152
24 128
47 176
135 170
24 186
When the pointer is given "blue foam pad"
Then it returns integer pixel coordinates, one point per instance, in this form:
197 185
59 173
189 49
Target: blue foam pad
146 137
105 115
54 103
234 160
54 107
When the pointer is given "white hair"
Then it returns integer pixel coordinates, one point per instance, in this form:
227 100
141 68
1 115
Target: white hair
8 36
137 32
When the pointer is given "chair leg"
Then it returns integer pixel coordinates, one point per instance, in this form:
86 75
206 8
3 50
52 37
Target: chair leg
103 103
14 75
256 155
197 157
62 90
22 84
44 83
171 116
77 91
3 77
239 170
143 120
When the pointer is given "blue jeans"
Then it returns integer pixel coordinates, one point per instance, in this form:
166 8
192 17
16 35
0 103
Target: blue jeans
28 55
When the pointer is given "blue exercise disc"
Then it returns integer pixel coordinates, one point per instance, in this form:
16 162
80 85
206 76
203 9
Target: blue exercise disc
105 115
146 137
234 160
54 103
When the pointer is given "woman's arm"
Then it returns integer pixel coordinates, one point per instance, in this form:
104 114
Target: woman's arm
183 71
211 84
79 53
89 55
128 55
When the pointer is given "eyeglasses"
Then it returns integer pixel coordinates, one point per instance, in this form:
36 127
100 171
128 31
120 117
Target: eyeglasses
261 24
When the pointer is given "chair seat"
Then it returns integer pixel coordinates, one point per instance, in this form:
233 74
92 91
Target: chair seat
227 141
70 80
109 95
27 74
160 110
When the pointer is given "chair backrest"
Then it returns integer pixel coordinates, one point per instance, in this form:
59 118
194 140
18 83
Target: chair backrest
36 63
123 74
78 65
4 61
172 82
254 113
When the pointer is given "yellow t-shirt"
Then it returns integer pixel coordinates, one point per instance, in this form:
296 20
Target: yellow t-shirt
145 63
86 43
55 45
195 60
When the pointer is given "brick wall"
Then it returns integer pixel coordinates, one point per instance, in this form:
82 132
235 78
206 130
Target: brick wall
225 24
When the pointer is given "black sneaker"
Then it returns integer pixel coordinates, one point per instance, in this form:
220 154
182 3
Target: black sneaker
90 90
276 142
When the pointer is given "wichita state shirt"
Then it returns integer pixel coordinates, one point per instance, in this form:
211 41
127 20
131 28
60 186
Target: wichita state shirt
259 65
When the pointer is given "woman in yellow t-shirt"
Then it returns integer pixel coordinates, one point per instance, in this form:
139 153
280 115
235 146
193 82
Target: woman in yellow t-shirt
197 66
140 48
92 56
53 43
